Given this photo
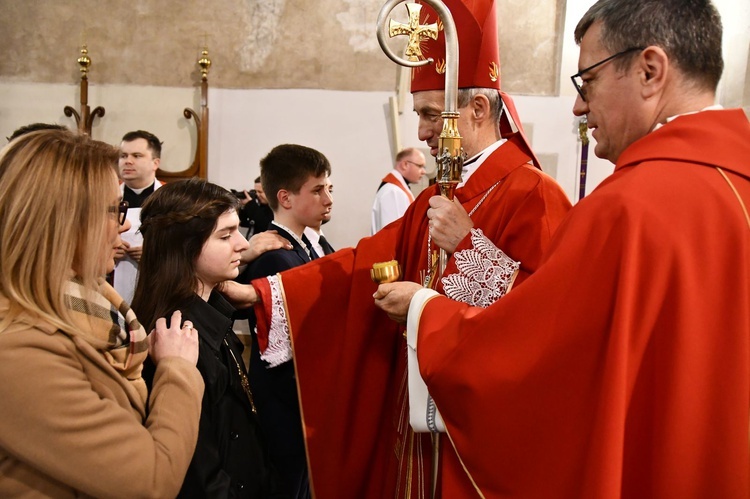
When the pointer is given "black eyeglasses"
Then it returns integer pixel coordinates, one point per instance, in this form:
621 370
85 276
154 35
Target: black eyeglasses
121 210
415 164
578 81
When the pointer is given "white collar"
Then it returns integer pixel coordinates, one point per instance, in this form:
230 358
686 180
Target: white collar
472 164
156 184
400 178
313 235
715 107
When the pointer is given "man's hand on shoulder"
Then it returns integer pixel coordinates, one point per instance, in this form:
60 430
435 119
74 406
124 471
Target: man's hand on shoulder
262 242
240 295
449 222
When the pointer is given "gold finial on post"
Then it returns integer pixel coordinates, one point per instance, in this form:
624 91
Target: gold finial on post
205 63
84 61
199 167
84 120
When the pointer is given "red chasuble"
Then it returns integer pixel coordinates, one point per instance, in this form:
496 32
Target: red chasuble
350 358
621 368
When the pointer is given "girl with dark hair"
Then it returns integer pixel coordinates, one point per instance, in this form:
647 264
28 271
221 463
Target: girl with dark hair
191 244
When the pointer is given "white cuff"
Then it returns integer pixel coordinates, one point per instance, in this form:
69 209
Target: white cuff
279 348
423 414
485 273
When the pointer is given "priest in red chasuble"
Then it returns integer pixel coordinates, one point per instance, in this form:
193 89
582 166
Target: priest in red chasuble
621 367
349 357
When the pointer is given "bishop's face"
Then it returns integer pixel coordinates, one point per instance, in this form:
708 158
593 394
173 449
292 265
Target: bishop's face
429 104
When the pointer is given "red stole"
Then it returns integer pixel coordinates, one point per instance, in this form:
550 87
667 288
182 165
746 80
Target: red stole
391 179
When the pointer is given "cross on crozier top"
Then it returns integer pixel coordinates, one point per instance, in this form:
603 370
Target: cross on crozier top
416 32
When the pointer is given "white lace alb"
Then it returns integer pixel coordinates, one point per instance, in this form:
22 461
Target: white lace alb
279 345
484 273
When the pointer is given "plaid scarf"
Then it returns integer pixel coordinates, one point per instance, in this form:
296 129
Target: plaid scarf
113 329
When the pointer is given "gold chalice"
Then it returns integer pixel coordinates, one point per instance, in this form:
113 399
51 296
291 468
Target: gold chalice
386 272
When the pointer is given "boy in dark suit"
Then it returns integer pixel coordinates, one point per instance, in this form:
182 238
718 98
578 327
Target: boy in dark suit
295 180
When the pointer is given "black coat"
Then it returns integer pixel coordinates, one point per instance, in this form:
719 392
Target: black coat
231 458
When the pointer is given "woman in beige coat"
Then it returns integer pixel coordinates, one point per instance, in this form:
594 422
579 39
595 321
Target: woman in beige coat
72 401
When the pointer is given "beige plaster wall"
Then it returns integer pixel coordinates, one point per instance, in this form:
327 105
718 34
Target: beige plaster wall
327 44
530 45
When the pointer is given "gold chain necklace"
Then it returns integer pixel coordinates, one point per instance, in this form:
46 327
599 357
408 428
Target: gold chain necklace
243 377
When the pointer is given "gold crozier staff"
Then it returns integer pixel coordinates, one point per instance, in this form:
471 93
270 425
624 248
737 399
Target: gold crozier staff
450 157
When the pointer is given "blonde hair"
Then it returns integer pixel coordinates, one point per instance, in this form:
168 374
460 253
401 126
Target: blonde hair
55 188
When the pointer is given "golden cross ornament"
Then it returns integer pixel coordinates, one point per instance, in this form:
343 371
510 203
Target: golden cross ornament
416 32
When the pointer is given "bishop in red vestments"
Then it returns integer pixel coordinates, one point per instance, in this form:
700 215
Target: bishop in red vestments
349 356
621 367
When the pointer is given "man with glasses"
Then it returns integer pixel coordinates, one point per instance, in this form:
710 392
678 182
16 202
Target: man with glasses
621 368
394 196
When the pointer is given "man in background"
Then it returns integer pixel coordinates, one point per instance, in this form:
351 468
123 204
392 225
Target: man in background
140 157
255 214
394 196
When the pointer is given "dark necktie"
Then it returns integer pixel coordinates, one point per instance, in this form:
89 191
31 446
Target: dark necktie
310 250
327 248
